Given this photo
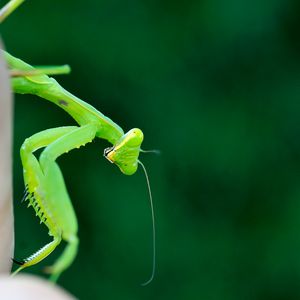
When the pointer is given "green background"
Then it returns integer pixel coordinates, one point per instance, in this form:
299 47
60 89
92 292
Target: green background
215 85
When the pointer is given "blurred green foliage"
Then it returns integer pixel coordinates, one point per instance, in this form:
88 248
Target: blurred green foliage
215 85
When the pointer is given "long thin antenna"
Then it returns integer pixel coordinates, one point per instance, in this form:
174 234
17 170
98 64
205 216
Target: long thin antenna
155 151
153 227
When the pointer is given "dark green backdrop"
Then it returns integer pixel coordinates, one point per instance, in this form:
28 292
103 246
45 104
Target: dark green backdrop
215 85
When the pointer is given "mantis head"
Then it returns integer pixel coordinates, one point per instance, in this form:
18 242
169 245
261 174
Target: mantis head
126 151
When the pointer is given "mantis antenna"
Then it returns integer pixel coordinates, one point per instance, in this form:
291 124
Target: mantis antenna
155 151
153 227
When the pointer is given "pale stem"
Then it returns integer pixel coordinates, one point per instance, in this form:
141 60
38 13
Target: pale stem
6 210
9 8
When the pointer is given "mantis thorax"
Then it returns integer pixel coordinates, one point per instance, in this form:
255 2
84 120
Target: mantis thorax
126 151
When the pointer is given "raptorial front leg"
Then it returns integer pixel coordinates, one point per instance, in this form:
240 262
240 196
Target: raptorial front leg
47 192
59 200
36 190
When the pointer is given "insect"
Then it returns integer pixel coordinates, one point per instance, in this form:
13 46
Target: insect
45 189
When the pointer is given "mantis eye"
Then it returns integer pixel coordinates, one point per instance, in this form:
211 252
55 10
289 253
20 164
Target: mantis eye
107 153
126 151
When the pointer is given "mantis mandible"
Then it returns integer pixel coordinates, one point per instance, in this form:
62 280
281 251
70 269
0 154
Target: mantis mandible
45 189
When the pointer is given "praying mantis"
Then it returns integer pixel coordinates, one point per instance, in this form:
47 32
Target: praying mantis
45 189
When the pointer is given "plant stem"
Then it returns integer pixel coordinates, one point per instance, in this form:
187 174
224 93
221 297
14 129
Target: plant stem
6 195
9 8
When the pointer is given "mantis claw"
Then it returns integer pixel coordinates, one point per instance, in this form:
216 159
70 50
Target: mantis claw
20 263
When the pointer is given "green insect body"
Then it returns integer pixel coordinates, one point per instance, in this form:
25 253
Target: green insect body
45 188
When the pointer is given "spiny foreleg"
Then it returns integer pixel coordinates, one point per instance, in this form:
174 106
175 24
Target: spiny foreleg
36 192
59 200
